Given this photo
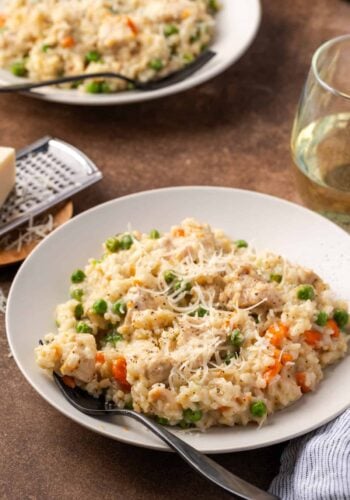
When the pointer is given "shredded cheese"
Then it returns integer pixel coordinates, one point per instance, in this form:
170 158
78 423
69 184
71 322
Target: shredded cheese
3 301
27 234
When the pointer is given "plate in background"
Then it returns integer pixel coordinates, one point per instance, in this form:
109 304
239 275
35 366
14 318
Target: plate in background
267 222
237 24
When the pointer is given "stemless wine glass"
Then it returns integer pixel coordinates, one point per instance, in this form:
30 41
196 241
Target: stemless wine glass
321 133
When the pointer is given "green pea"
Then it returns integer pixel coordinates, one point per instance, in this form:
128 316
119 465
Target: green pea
229 357
154 234
321 319
192 416
78 276
169 276
200 312
77 294
126 242
156 64
83 327
236 338
92 56
183 286
105 88
162 420
183 424
276 277
18 68
100 307
112 244
75 85
306 292
213 5
341 317
241 244
188 58
45 47
170 29
129 405
194 38
95 262
113 337
95 88
78 311
258 409
119 308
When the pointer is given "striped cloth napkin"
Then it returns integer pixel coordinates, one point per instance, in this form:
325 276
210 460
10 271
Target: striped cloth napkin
317 466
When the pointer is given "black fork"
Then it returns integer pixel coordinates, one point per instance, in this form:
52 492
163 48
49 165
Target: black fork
176 77
204 465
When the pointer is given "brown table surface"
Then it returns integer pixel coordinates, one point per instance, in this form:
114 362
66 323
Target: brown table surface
233 131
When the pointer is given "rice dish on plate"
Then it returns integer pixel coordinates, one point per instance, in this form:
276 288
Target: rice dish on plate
141 39
194 328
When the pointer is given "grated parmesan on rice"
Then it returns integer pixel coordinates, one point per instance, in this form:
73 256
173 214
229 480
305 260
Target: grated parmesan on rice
195 329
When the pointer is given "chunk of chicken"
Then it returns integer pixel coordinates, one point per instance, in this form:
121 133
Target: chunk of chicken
248 291
71 354
158 369
79 362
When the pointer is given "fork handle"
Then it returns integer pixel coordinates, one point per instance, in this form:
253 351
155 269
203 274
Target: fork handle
21 87
202 464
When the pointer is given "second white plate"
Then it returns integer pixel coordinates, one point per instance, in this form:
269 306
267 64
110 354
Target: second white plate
237 24
266 222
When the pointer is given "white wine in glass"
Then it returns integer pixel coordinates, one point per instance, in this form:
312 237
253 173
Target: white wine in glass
321 133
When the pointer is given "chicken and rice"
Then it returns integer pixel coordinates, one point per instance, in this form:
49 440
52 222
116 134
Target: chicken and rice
195 329
141 39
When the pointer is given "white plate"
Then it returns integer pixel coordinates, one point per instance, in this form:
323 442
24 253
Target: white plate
270 223
237 24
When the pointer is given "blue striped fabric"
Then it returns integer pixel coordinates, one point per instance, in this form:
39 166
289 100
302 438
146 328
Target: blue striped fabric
317 466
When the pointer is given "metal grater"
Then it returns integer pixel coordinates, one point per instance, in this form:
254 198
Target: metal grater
47 172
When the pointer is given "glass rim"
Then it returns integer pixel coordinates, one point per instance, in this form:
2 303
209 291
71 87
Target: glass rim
315 57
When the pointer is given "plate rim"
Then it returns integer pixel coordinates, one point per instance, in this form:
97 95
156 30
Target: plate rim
119 100
90 423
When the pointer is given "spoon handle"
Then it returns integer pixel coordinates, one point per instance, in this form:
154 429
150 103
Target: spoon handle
203 464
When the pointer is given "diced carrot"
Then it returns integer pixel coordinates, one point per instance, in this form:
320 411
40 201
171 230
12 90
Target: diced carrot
67 42
332 325
179 232
283 357
286 357
312 337
100 357
2 20
271 372
300 378
276 333
69 381
132 26
223 408
119 372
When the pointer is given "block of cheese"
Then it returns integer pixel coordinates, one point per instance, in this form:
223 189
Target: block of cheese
7 173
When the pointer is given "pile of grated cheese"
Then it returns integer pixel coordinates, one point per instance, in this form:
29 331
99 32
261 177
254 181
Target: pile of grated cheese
33 232
3 301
